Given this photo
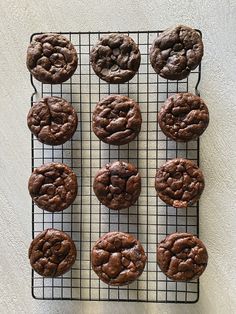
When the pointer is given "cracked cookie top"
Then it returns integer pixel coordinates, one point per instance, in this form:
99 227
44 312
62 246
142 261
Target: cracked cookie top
176 52
179 182
117 185
117 119
118 258
115 58
182 256
51 58
52 120
53 186
52 253
183 117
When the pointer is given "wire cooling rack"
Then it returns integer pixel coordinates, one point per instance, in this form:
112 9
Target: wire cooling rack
150 220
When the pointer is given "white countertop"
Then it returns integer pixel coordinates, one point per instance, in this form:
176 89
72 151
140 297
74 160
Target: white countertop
218 144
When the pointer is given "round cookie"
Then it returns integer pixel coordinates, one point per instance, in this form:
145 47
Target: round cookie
183 117
118 258
117 120
176 52
51 58
182 256
52 253
117 185
52 120
115 58
53 186
179 182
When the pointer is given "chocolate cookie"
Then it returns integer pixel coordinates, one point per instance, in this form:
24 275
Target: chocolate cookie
118 258
179 182
115 58
52 253
53 186
52 120
117 120
176 52
183 117
182 256
51 58
117 185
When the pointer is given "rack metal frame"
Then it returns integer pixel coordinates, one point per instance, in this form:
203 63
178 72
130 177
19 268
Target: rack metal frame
86 220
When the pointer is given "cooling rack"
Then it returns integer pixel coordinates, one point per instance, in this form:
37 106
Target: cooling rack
150 220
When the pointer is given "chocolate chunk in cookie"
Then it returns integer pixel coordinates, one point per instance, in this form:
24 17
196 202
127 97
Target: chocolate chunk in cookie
182 256
52 120
51 58
115 58
117 185
117 120
118 258
53 186
179 182
183 117
176 52
52 253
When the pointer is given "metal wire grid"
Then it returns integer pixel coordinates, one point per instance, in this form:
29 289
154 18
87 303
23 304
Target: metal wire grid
150 220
